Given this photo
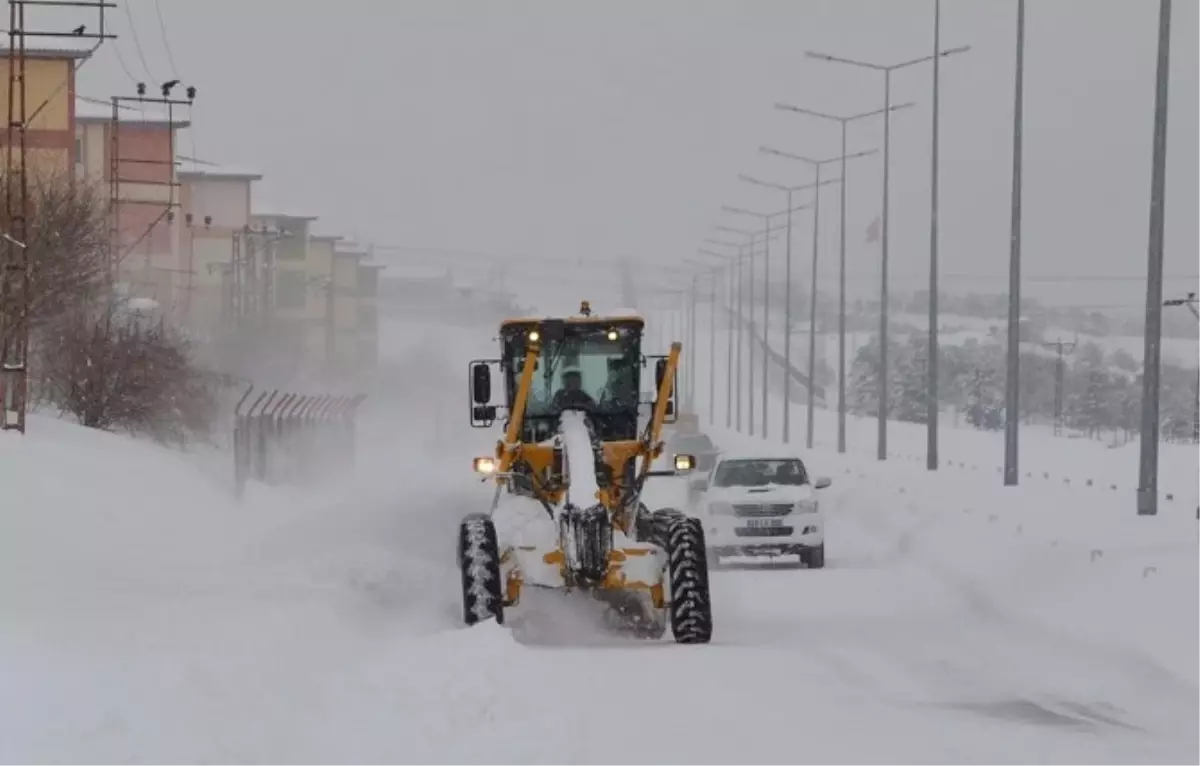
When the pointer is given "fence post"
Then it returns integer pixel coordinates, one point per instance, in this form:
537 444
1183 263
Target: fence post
351 429
261 435
274 426
240 453
292 437
307 453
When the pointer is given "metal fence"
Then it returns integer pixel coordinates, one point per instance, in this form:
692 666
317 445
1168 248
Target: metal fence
289 438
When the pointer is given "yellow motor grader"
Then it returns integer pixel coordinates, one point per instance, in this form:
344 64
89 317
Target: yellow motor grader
578 448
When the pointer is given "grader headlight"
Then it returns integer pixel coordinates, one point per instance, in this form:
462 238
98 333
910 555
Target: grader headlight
685 463
484 465
534 336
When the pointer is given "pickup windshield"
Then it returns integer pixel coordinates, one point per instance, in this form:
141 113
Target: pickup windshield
760 473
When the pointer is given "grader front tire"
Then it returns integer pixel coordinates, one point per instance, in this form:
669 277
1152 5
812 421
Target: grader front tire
687 572
479 563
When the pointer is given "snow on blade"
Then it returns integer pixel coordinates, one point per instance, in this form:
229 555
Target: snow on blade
580 459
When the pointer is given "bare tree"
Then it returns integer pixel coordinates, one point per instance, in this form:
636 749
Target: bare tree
67 246
113 369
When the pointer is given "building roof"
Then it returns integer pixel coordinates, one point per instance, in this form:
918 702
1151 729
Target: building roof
51 52
191 167
284 217
93 110
350 247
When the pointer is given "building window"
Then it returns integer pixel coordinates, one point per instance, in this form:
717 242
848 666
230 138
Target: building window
291 289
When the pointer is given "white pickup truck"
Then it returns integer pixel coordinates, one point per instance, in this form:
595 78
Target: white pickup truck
762 506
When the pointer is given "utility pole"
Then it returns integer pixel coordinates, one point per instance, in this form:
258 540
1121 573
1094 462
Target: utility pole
1012 417
161 172
841 375
15 261
1147 496
1060 373
1191 301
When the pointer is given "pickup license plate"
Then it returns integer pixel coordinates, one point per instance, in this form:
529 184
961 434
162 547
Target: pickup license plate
761 523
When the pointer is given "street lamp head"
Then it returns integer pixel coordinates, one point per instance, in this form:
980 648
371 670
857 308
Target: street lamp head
758 182
787 155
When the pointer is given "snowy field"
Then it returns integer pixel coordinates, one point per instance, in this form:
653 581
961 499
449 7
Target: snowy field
147 617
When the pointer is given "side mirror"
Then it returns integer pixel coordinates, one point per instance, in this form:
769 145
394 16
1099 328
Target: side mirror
699 484
660 372
481 383
684 463
822 482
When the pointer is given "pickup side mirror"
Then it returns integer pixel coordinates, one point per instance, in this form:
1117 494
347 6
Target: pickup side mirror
822 482
699 484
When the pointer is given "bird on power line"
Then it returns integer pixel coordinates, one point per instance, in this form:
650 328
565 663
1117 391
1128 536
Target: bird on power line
166 87
79 30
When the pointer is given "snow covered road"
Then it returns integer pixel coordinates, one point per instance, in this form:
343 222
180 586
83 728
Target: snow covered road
952 624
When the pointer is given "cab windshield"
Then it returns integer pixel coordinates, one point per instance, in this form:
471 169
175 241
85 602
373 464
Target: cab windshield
594 367
760 473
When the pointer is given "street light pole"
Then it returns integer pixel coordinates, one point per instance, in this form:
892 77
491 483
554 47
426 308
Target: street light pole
841 375
712 332
812 305
931 398
730 262
883 290
741 327
766 232
1012 415
1147 497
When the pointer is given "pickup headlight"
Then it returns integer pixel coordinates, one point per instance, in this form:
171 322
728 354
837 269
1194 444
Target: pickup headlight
806 506
720 508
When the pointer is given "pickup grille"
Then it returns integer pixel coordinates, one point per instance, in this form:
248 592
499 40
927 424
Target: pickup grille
763 531
758 510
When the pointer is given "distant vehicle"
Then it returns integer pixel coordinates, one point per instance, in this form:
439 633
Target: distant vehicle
762 506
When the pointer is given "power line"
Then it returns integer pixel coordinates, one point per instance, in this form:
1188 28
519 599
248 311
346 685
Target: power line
137 44
162 28
124 66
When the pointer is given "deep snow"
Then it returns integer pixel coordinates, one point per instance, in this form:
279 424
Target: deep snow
147 617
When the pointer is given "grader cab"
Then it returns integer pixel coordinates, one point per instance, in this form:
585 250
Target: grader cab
580 442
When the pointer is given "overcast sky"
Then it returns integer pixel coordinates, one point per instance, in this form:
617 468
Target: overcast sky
617 128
